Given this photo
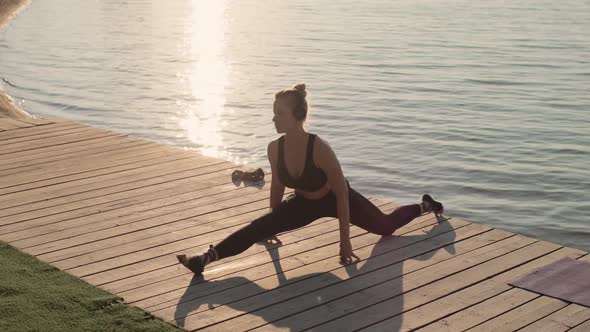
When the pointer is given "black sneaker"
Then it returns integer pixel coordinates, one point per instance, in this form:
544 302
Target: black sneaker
433 206
251 177
193 263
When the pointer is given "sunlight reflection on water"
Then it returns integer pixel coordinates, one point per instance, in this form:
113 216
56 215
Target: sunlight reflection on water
207 76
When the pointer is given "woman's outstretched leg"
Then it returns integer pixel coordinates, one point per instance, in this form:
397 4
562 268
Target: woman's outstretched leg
365 214
292 213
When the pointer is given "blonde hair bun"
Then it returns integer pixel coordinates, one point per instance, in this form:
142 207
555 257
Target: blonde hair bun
301 88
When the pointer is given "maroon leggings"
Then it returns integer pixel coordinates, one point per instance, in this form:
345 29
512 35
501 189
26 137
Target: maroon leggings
297 211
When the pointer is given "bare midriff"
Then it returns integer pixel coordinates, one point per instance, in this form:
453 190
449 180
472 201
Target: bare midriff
314 194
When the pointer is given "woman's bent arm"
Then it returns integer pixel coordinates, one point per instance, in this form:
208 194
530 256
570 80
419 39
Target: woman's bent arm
277 189
329 163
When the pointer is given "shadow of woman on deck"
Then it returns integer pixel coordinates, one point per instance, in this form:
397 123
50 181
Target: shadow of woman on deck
191 300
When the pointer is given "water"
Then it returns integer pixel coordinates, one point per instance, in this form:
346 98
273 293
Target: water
483 104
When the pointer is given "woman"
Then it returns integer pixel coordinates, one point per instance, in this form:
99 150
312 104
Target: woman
306 163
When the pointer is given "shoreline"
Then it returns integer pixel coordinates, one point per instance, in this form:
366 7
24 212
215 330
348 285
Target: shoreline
8 10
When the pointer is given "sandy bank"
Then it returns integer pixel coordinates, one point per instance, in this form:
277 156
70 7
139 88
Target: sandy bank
8 9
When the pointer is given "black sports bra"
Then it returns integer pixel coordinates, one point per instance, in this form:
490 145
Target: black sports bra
312 178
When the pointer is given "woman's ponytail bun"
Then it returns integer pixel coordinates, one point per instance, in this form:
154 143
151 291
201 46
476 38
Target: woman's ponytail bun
301 88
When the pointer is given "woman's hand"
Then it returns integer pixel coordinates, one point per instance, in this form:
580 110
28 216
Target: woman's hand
346 253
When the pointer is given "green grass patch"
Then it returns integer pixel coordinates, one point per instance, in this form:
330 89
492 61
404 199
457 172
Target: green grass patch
34 296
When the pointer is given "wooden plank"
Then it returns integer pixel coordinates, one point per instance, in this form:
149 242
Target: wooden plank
6 125
38 121
32 131
60 152
470 316
93 253
125 165
475 304
64 140
561 320
144 162
52 156
160 199
143 235
63 143
77 240
85 215
95 197
584 327
494 306
522 315
53 174
76 227
17 211
17 142
379 303
114 144
47 135
65 173
298 290
322 256
17 123
85 161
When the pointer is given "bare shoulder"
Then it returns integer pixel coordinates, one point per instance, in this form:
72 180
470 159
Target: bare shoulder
322 145
272 149
322 152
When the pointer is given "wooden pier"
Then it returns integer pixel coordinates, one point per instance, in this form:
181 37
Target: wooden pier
114 210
